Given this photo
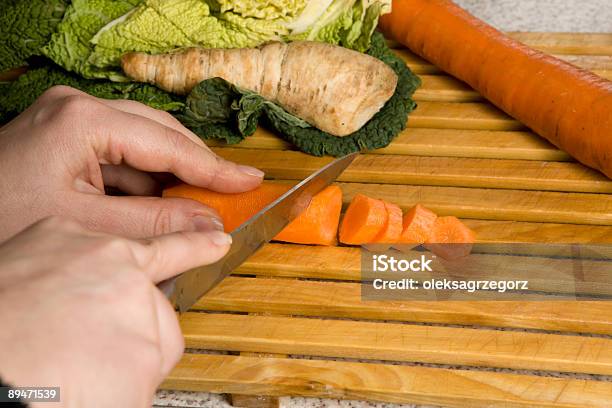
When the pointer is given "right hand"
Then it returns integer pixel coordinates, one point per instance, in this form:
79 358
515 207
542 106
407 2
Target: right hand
57 157
80 310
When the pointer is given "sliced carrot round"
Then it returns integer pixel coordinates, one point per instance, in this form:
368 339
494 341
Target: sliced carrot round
364 219
450 238
392 231
418 225
318 224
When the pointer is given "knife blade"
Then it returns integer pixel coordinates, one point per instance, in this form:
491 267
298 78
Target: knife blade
185 289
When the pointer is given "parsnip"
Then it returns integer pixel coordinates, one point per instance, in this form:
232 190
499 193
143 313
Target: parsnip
333 88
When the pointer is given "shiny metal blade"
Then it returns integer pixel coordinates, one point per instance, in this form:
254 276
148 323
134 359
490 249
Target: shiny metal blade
184 290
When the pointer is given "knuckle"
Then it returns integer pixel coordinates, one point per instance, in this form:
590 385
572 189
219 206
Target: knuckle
163 221
115 247
75 105
60 223
176 140
57 91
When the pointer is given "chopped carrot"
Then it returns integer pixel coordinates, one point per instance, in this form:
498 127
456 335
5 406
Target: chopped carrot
450 238
234 209
392 231
318 224
364 219
418 225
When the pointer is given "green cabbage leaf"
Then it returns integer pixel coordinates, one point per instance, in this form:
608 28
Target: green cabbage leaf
25 27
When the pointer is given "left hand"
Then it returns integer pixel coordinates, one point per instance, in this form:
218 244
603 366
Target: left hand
57 157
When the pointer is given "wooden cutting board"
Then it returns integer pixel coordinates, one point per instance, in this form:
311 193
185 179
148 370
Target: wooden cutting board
291 321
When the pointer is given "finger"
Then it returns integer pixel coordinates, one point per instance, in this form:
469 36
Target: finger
129 180
149 146
171 341
159 116
141 217
169 255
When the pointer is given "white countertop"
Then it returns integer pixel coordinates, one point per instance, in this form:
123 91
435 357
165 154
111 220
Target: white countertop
507 15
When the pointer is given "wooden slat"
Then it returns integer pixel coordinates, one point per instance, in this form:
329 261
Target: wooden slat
397 342
478 116
473 143
442 88
514 231
340 299
482 144
441 171
379 382
567 43
493 204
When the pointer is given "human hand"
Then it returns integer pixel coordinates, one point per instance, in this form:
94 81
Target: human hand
57 157
79 310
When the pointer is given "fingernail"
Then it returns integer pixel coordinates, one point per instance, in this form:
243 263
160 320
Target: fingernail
251 171
205 223
220 238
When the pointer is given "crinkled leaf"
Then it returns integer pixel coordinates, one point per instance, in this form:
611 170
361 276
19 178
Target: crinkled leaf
16 96
25 27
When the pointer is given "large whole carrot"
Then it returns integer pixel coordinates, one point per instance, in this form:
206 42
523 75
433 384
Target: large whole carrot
569 106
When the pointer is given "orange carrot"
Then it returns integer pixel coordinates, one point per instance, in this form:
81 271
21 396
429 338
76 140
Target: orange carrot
317 225
418 225
450 238
234 209
569 106
393 229
364 219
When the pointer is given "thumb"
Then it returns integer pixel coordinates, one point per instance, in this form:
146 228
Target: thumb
143 217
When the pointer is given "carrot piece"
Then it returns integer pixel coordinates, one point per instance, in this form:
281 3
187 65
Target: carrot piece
418 225
393 229
450 238
234 209
567 105
364 219
318 224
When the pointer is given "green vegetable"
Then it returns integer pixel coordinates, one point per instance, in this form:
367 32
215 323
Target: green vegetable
25 26
268 10
216 109
348 23
70 46
158 26
18 95
95 33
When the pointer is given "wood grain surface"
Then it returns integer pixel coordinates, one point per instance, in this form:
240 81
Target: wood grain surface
384 382
459 156
343 299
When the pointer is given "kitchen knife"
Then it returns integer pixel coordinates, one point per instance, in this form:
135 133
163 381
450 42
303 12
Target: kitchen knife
185 289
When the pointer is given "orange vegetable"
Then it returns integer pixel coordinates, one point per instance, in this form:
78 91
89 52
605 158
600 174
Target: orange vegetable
364 219
318 224
450 238
393 229
418 225
567 105
234 209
